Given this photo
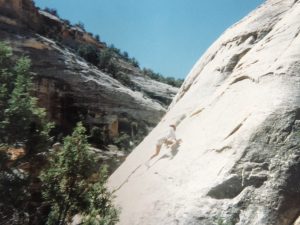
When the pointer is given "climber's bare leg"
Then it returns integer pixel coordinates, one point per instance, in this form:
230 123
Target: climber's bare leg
157 150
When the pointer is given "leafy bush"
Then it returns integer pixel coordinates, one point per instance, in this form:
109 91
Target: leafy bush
97 37
51 11
107 62
98 136
69 187
105 58
124 55
90 53
67 22
122 141
114 49
158 77
134 62
80 25
124 79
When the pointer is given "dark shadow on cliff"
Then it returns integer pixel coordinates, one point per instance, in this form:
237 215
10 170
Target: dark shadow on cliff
175 149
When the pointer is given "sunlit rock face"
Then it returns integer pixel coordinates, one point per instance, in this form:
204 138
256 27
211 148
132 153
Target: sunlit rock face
19 13
238 115
70 88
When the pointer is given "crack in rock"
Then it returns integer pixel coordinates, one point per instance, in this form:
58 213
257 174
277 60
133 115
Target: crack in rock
241 78
236 128
197 112
127 179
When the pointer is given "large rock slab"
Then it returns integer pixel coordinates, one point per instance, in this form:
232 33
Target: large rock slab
238 115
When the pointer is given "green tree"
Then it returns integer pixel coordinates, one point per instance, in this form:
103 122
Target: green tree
69 187
106 57
22 123
134 62
114 49
107 63
90 53
51 11
123 141
98 136
97 37
125 55
21 120
80 25
168 80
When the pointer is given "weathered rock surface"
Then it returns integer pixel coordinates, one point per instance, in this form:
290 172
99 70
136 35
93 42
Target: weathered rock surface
72 89
238 115
67 85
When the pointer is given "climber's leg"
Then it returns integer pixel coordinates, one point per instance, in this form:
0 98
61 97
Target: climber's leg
157 150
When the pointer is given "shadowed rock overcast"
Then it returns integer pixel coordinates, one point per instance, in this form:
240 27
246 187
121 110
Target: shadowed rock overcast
167 36
238 115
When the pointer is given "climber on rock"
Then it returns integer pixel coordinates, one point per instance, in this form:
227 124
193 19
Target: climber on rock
168 139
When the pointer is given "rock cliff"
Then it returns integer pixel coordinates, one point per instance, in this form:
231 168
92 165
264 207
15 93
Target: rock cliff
238 115
70 88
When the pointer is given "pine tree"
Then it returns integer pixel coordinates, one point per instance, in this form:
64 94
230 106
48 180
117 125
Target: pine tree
21 120
22 123
70 188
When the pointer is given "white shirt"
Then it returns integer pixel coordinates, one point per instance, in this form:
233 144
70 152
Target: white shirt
171 134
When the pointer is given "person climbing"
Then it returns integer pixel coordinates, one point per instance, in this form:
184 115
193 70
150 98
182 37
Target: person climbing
168 139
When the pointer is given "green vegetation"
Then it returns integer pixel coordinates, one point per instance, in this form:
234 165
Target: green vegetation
98 136
158 77
122 141
102 59
126 81
148 72
107 63
23 129
71 182
97 37
134 62
51 11
80 25
90 53
124 56
22 122
69 187
107 59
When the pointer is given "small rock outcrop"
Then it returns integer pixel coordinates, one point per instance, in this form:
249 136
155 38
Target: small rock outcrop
238 115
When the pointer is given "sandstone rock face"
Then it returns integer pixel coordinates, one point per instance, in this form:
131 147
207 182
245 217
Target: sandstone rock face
72 89
22 11
238 115
66 81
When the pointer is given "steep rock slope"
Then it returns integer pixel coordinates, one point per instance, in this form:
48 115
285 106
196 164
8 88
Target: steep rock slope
238 115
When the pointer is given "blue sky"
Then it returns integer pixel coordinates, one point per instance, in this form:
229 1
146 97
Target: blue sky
167 36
